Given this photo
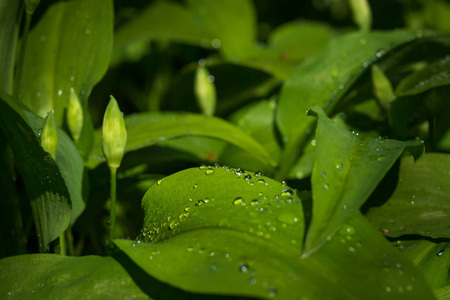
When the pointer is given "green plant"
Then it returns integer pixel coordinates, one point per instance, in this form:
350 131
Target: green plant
312 165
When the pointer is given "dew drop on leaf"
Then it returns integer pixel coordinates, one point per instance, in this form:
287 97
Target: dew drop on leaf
209 172
239 201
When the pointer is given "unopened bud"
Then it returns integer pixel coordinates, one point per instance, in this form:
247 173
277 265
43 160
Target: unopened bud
49 135
114 134
74 116
205 91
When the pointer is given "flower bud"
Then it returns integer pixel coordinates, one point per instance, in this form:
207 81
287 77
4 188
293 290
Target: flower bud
382 88
49 135
74 116
114 134
205 91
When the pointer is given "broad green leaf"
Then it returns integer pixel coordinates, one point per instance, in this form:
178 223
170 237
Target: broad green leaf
10 12
431 258
206 23
163 20
346 171
147 129
229 262
51 276
68 49
434 75
222 18
421 201
324 78
48 194
69 163
217 196
287 46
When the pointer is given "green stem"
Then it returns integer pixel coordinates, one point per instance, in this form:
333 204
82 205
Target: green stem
69 238
21 58
62 244
37 224
112 227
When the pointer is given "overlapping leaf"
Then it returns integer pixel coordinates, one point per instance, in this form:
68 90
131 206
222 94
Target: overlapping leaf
68 49
421 202
206 236
49 197
346 171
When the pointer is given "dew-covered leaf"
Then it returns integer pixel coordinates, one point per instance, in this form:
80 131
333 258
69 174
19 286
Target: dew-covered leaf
431 258
47 191
420 203
146 129
69 163
217 196
69 48
222 261
51 276
346 171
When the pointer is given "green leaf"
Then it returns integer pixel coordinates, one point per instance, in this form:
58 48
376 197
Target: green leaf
433 75
191 198
362 14
10 12
211 260
48 194
69 48
146 129
51 276
324 78
431 258
70 164
421 201
346 171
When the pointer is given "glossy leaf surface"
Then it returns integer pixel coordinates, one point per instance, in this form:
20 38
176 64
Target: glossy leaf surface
51 276
420 203
346 171
224 261
147 129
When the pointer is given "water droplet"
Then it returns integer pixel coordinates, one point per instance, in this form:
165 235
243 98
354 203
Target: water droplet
159 182
244 268
247 176
239 201
287 218
201 62
258 174
381 157
211 253
441 253
261 181
339 166
287 192
251 280
195 186
59 92
254 202
190 249
216 43
202 167
325 186
323 174
272 292
351 249
209 172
